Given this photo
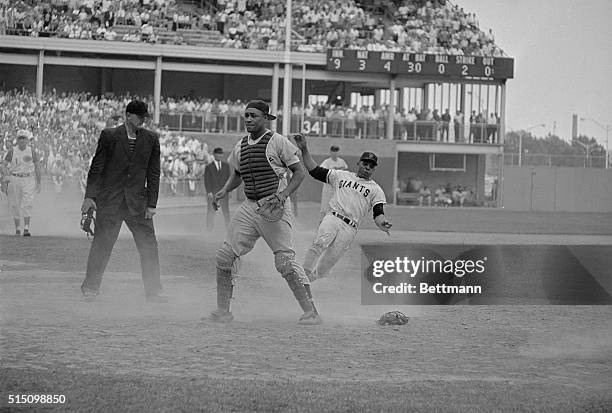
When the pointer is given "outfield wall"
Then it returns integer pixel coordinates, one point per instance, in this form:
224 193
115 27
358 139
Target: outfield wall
557 189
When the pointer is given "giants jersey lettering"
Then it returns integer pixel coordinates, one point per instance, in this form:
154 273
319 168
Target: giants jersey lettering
353 197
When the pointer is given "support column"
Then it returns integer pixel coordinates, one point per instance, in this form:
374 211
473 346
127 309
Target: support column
391 109
501 133
40 73
287 86
157 89
288 77
274 97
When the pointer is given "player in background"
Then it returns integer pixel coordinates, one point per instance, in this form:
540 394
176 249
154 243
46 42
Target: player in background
354 196
23 170
333 162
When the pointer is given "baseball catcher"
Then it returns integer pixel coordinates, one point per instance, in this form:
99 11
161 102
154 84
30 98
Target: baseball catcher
268 165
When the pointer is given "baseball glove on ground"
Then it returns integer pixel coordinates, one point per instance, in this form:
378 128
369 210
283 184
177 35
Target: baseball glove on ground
87 219
393 318
271 208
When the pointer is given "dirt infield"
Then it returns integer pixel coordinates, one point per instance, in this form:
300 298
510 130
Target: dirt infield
120 353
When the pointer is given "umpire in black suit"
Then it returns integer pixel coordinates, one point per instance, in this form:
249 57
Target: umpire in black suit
215 176
123 185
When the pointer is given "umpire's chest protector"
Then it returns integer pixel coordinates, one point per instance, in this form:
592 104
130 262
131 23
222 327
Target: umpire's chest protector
257 173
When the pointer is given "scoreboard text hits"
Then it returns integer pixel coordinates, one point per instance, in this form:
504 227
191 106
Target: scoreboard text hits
419 64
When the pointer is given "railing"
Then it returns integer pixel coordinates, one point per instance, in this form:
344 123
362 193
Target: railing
336 127
552 160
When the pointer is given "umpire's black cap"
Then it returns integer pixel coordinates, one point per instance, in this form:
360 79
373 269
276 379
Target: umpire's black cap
218 150
139 108
369 156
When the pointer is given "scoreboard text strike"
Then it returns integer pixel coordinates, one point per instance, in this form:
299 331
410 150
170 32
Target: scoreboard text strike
419 64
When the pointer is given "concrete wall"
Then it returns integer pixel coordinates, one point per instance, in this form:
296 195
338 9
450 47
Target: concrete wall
557 189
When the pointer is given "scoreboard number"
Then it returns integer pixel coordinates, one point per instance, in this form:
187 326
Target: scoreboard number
441 68
487 71
414 67
387 66
362 65
337 63
464 70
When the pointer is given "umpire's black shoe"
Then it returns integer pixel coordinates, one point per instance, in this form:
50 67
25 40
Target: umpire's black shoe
26 233
157 298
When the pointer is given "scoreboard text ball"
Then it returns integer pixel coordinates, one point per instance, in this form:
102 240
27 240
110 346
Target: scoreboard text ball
419 64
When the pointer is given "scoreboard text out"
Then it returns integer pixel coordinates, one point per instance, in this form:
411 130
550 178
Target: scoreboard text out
419 64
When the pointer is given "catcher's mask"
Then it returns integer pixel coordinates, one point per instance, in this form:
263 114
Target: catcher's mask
87 220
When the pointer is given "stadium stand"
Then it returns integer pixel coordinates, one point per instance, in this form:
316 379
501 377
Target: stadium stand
400 25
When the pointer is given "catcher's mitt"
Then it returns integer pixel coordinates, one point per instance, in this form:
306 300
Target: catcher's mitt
87 219
271 208
393 318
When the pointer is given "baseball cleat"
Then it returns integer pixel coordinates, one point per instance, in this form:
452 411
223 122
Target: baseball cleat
221 316
26 233
89 296
311 318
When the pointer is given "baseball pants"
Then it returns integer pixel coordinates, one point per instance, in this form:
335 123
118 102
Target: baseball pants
333 240
21 196
247 226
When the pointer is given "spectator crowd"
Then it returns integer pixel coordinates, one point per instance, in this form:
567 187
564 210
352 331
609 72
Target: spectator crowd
416 26
66 128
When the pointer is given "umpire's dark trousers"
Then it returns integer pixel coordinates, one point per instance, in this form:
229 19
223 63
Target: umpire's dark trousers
106 232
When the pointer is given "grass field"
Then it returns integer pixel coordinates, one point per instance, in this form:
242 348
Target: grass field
120 353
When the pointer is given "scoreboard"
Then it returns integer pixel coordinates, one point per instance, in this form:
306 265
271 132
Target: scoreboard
419 64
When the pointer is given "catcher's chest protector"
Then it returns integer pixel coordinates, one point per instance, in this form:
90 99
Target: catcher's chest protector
259 178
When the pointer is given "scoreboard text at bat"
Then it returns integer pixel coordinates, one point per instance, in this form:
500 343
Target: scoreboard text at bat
419 64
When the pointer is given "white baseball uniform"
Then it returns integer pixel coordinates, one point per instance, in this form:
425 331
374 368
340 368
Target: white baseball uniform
22 184
247 226
328 191
353 198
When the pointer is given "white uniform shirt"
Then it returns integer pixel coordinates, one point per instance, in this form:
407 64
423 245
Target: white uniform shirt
339 163
353 197
22 161
281 154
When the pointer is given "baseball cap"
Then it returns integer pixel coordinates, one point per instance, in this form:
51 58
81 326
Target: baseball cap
138 107
261 106
334 148
218 150
369 156
24 133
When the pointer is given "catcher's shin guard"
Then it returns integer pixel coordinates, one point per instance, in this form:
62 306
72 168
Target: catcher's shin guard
299 291
225 288
309 295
